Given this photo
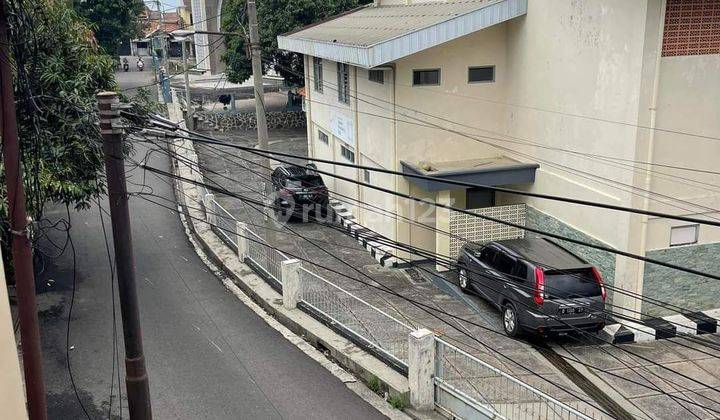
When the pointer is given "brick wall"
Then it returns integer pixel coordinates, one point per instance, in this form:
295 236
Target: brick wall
692 27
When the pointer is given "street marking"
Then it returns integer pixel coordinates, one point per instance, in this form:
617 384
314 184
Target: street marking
216 346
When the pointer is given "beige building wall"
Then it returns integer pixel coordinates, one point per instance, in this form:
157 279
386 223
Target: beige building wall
688 101
12 395
568 62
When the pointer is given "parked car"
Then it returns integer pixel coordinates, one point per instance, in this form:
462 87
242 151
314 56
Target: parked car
299 192
539 286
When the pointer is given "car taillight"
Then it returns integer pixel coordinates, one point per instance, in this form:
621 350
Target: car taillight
599 280
539 286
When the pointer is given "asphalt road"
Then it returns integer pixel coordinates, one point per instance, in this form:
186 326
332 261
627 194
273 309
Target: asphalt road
208 355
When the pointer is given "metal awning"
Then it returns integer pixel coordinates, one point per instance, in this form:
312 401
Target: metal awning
373 35
487 171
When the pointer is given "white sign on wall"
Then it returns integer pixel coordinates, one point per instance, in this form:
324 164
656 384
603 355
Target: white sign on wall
343 128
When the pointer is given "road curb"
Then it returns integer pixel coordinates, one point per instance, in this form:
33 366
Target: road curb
344 352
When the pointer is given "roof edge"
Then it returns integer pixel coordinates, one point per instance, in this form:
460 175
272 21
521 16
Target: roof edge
409 43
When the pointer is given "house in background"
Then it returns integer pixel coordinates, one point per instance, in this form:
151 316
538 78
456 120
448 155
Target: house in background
151 31
610 101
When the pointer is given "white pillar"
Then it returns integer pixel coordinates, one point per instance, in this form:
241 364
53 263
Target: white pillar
290 276
241 238
209 208
421 366
442 223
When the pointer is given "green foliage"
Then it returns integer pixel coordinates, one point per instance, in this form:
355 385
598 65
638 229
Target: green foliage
113 21
58 69
275 17
397 402
374 384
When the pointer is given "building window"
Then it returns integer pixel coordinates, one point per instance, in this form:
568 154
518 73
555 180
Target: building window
318 74
366 176
482 74
691 27
343 73
377 76
347 153
323 137
426 77
684 235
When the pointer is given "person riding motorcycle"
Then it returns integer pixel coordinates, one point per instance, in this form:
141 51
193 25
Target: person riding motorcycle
140 64
125 64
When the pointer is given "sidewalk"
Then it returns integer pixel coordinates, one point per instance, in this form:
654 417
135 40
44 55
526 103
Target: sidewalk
348 256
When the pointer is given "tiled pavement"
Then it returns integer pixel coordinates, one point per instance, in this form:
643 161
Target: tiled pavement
341 253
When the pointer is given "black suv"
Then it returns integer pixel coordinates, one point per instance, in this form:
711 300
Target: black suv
538 285
299 192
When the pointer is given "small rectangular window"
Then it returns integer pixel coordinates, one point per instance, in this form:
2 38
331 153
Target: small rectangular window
347 153
426 77
377 76
323 137
684 235
343 73
318 74
366 176
484 74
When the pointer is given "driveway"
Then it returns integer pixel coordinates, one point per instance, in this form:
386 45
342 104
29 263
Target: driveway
333 249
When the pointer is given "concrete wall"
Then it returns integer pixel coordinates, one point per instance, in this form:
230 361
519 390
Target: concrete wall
12 395
688 101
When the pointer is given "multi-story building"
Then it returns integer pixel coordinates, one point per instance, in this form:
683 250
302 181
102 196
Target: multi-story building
610 101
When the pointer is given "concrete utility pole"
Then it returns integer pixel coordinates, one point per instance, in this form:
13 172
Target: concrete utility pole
161 26
260 118
189 123
136 379
21 246
258 84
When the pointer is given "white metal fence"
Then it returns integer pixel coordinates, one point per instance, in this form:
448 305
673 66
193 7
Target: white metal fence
378 331
476 229
465 386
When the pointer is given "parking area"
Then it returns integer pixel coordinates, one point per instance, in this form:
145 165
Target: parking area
466 321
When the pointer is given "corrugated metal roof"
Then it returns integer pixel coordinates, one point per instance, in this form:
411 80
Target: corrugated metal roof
374 35
371 25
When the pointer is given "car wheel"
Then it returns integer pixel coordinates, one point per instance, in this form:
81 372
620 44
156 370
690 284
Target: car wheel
510 321
463 280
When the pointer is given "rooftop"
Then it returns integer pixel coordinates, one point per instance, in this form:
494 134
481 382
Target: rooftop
373 35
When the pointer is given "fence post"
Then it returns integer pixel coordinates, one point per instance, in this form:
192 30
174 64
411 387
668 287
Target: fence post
290 276
210 215
421 364
243 245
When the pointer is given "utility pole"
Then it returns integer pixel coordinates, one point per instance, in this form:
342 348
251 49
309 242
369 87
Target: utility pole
260 118
136 379
161 27
21 246
189 122
258 85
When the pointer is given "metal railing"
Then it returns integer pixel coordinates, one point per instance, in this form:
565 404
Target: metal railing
226 225
362 322
467 387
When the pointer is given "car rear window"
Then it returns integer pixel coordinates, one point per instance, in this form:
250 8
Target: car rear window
304 181
571 284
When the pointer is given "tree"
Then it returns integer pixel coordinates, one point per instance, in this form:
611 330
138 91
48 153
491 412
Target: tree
275 17
58 69
113 21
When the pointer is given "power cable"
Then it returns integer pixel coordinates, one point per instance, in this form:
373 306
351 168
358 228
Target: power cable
515 225
222 190
412 301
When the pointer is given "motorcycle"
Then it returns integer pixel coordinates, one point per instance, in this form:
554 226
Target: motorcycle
140 65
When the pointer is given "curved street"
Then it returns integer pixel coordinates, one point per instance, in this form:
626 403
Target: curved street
208 355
